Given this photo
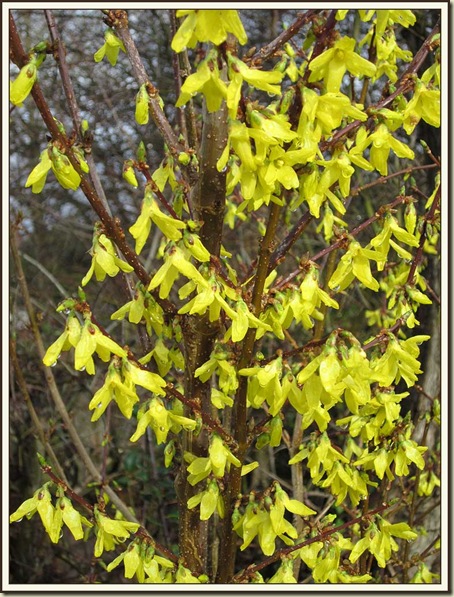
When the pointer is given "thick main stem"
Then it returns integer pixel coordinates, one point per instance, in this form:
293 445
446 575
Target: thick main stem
208 199
228 541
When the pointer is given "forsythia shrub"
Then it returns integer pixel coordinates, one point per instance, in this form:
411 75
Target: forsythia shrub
252 359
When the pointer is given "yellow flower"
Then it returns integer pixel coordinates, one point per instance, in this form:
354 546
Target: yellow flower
109 532
128 173
110 49
64 171
382 143
206 80
425 104
160 420
332 64
21 87
207 25
104 259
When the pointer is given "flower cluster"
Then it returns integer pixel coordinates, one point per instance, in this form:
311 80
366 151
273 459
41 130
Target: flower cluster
266 519
52 516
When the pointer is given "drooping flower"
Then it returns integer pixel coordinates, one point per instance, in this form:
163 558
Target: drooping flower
21 87
332 64
110 49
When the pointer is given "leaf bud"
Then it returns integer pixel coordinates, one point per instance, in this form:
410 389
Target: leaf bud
41 459
282 65
290 51
262 440
287 99
142 99
84 126
66 305
184 158
129 174
436 408
141 152
268 503
169 453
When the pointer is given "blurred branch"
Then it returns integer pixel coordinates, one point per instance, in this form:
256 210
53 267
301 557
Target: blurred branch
47 273
18 370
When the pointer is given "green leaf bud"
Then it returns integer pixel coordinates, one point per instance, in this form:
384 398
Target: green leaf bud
262 440
129 174
41 459
286 102
40 47
169 453
184 158
141 152
142 100
66 305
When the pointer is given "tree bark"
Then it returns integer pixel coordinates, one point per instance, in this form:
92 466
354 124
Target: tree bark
208 198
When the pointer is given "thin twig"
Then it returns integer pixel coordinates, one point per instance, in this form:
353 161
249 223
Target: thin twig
404 85
71 101
270 49
119 19
178 79
419 252
46 272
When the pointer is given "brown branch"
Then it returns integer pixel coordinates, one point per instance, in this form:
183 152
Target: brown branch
47 470
405 84
384 334
112 228
146 172
268 50
71 100
199 332
60 57
378 214
339 243
228 544
288 242
192 403
419 252
119 20
384 179
210 422
279 254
